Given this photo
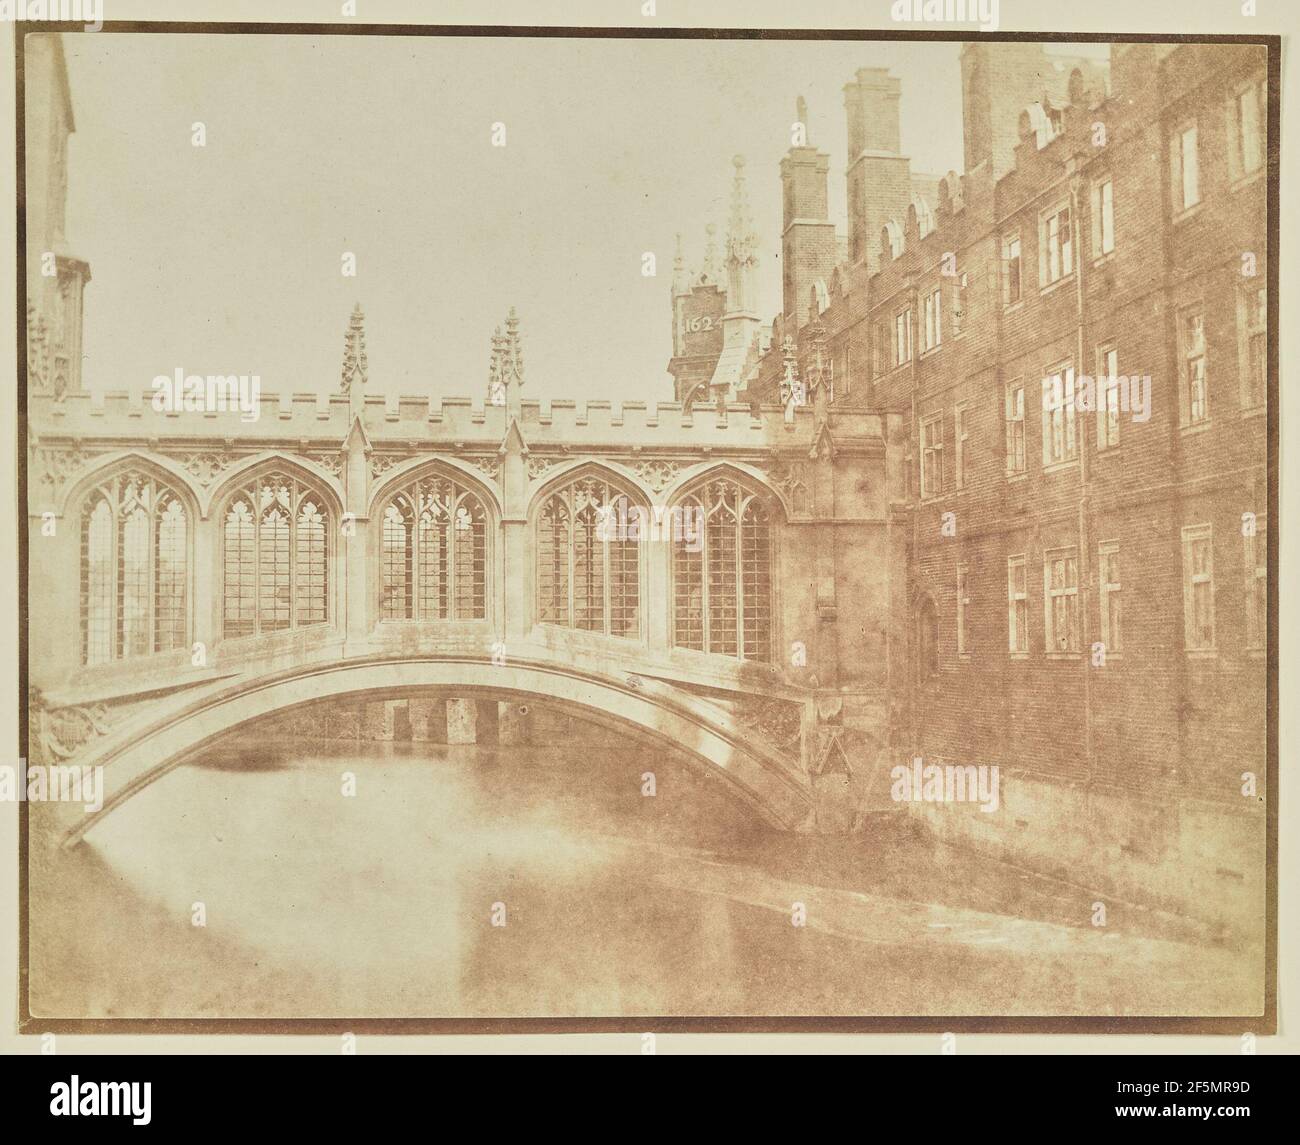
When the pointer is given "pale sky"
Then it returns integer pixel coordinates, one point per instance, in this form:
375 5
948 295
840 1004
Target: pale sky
226 259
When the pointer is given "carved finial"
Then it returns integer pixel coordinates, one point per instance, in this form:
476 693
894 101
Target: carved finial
740 226
507 368
711 273
496 383
792 392
38 350
742 244
512 353
680 283
816 370
801 114
354 351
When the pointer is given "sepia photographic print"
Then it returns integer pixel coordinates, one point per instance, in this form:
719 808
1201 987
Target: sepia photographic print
572 529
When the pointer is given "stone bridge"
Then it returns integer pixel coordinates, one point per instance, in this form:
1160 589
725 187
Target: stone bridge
724 579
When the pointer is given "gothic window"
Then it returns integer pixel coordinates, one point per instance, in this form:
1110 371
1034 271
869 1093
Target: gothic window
588 558
1055 245
275 559
963 610
1252 310
1185 167
1247 120
1061 600
134 569
1110 595
1193 401
1059 438
1103 217
1017 605
1198 588
722 572
433 553
1257 584
1012 286
927 635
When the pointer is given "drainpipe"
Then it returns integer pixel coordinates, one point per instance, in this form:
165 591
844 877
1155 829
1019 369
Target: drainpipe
914 470
1074 167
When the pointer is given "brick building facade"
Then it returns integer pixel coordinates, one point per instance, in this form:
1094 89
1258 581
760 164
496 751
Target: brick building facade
1087 579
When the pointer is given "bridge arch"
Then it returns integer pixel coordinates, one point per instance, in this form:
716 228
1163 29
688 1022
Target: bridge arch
136 756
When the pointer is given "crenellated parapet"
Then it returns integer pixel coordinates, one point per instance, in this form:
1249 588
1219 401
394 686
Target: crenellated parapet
656 441
121 413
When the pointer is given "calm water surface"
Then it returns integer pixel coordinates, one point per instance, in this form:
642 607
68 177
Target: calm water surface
381 904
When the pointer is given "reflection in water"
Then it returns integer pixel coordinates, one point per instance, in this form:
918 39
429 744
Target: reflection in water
380 904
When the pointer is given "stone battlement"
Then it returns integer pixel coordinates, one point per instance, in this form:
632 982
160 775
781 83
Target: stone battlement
130 414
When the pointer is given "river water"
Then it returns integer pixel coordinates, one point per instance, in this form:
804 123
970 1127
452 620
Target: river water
388 902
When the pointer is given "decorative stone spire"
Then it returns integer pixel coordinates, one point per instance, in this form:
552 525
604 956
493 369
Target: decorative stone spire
496 383
512 355
681 285
817 376
711 272
38 353
742 245
792 389
801 116
740 326
506 372
354 351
